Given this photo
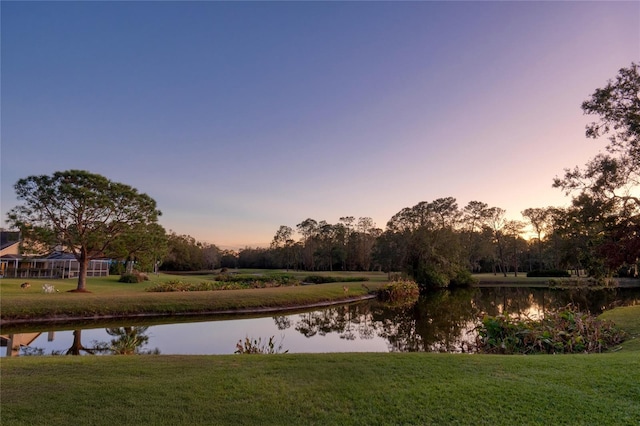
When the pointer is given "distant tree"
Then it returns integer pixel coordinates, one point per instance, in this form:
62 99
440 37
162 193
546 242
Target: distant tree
498 223
446 212
283 250
347 243
538 218
478 242
366 234
512 230
184 254
211 256
228 259
144 244
326 243
283 234
257 257
308 229
83 212
389 252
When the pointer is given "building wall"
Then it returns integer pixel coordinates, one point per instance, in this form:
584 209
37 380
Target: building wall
12 249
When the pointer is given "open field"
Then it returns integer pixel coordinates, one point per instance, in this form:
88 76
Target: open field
108 297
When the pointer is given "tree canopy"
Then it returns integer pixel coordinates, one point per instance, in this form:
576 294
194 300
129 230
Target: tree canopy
607 188
84 213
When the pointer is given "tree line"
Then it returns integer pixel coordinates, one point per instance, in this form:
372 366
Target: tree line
438 243
435 242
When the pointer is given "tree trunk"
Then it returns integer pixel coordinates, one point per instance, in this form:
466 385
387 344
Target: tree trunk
76 346
540 251
82 275
503 265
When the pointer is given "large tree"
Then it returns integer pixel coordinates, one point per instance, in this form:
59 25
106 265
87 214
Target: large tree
427 243
83 212
611 180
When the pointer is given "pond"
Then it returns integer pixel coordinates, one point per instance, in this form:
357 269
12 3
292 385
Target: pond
442 321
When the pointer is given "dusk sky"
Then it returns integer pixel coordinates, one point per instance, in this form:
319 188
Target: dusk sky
239 117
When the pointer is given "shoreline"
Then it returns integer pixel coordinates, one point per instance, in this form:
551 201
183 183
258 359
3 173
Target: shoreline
239 311
499 282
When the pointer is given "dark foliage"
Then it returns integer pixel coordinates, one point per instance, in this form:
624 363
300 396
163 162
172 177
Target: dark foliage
549 273
564 331
320 279
133 278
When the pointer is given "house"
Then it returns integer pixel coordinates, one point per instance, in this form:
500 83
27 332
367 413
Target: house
9 243
14 342
55 265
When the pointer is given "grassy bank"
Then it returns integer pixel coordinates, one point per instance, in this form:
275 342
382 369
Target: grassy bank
108 297
628 319
412 388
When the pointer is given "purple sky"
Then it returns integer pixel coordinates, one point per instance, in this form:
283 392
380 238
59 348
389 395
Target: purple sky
241 117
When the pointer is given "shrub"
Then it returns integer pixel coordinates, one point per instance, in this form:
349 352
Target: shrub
170 286
562 273
323 279
228 282
463 278
259 281
563 331
133 277
404 291
433 278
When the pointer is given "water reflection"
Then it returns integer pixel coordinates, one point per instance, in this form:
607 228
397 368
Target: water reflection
129 341
440 322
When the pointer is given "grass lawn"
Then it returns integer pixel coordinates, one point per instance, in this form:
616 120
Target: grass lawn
108 297
344 389
628 319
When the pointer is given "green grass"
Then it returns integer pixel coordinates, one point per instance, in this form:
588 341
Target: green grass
340 389
628 319
344 389
488 278
108 297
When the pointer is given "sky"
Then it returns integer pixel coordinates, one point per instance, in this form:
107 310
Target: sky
239 117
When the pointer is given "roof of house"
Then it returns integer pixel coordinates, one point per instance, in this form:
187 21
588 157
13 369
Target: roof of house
59 255
9 238
10 256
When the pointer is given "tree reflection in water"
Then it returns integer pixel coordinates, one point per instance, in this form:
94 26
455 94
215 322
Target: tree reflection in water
345 320
441 321
445 320
438 322
282 322
128 341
